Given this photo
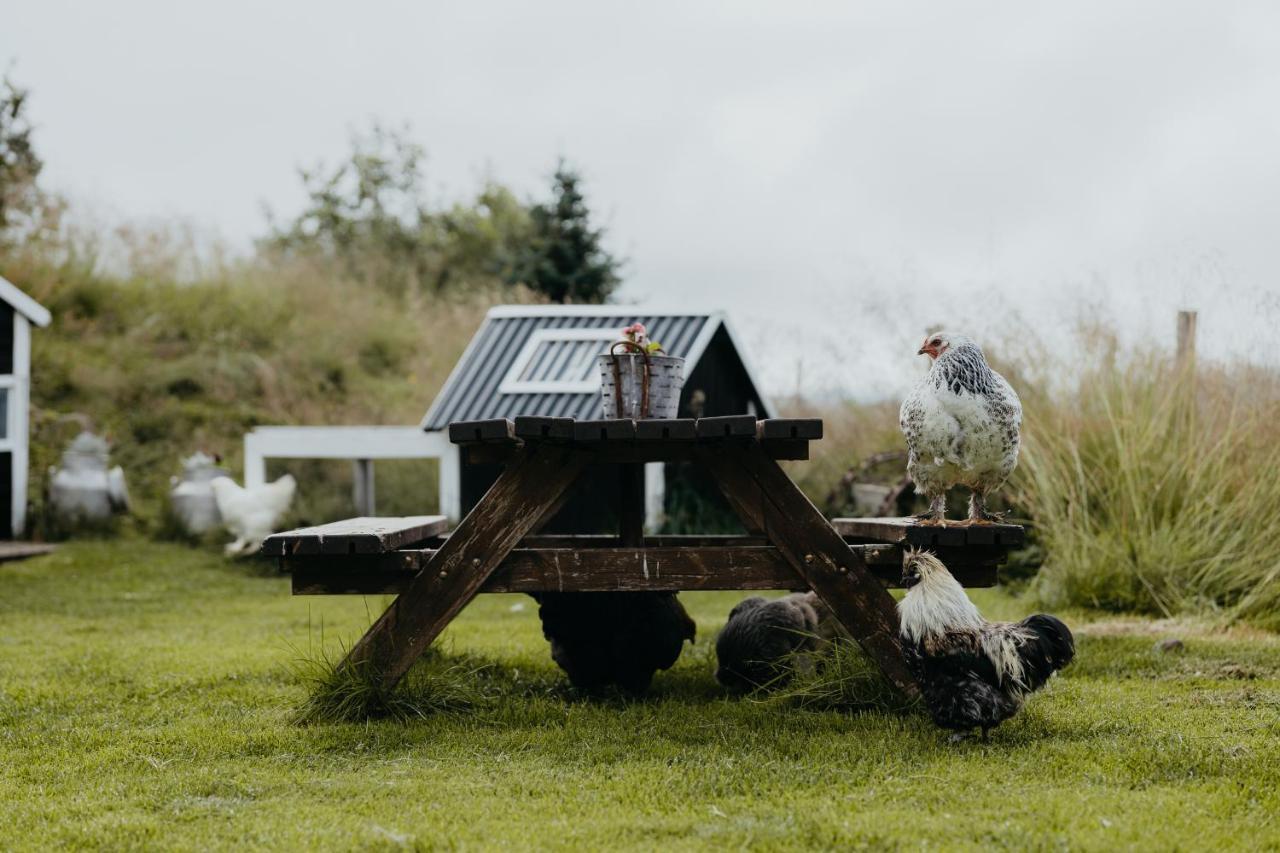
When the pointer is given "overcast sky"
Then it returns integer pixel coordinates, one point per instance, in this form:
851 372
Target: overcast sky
836 175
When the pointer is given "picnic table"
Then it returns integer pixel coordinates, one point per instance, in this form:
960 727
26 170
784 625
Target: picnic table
434 573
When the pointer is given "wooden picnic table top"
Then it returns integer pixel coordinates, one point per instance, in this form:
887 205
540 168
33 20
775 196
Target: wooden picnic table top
538 428
626 440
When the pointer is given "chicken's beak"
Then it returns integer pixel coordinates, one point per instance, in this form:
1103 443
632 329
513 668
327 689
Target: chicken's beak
922 351
910 579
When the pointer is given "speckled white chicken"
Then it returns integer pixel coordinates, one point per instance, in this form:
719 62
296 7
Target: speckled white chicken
963 425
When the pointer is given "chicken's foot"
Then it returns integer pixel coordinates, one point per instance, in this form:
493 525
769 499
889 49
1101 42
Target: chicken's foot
978 512
936 514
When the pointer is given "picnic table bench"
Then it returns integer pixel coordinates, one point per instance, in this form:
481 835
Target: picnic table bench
434 572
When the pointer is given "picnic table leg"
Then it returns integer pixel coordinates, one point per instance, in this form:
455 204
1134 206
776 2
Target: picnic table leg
631 505
531 483
762 493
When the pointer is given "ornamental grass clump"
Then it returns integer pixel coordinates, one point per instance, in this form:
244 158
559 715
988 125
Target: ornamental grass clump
1154 487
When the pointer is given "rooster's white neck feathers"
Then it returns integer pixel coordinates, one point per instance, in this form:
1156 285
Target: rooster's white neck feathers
937 604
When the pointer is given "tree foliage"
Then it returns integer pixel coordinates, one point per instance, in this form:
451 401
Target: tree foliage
564 259
372 215
19 164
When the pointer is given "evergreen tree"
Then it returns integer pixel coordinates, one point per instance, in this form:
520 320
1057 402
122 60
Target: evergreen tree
564 259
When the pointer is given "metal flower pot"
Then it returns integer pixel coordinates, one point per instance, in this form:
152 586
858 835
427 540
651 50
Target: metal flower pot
638 385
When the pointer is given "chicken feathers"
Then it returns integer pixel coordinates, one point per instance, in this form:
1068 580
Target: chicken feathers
973 674
963 426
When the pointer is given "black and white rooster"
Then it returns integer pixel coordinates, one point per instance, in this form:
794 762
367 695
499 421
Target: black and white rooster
973 674
963 425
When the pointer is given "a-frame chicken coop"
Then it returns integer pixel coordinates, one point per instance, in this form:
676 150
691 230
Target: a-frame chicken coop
541 360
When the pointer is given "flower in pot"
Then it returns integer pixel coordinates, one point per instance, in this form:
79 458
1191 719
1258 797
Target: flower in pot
637 335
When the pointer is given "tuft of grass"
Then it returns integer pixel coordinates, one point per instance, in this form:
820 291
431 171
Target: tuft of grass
841 678
435 685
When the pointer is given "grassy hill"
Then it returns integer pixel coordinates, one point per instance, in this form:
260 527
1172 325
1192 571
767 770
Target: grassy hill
165 368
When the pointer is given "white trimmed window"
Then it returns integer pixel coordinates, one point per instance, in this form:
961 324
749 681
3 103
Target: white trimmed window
558 361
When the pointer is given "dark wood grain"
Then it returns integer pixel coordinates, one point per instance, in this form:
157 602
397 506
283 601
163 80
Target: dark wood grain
727 426
911 532
624 451
806 428
356 536
620 429
663 569
532 483
498 430
786 448
673 429
537 428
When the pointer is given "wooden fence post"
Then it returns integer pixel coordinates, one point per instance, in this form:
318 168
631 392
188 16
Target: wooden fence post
1186 338
364 487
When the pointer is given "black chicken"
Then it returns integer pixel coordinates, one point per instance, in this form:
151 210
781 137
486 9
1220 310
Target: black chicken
758 645
621 638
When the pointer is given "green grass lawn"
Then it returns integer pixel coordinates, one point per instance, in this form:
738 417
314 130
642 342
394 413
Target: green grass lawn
148 696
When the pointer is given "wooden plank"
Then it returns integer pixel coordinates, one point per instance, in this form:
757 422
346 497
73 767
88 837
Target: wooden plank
727 426
786 448
816 552
541 428
966 559
911 532
523 492
356 536
605 540
619 429
481 454
624 451
969 556
666 429
480 432
601 570
24 550
806 428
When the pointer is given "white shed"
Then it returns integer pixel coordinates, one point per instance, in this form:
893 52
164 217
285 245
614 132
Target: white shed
17 313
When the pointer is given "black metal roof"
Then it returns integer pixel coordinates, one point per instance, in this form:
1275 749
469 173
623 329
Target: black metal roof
540 359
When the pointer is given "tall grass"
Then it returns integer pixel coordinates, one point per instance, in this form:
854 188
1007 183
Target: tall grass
1155 487
165 366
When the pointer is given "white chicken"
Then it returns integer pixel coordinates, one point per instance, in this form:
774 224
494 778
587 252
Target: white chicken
251 514
963 426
